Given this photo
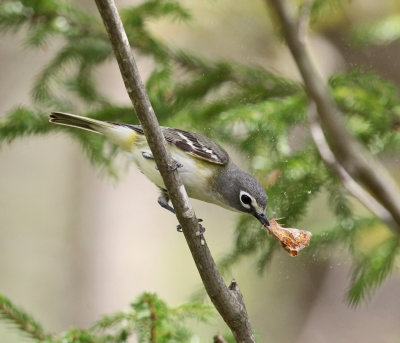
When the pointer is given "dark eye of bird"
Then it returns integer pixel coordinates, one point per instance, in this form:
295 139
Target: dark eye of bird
245 199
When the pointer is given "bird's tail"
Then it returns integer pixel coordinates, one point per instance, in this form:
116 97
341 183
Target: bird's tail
118 134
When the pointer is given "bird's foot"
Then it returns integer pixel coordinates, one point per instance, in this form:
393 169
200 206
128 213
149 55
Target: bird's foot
175 166
198 233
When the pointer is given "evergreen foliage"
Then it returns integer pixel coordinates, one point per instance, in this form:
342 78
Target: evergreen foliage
23 321
247 107
319 8
372 269
149 319
383 31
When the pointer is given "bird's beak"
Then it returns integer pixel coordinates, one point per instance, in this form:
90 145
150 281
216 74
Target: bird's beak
262 217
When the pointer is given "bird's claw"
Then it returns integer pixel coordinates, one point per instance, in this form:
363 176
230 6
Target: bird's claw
175 166
198 233
201 230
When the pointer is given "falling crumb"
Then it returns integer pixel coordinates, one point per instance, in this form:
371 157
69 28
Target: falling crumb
292 240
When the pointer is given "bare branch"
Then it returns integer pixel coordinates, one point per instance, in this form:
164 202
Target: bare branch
347 150
230 306
348 182
304 20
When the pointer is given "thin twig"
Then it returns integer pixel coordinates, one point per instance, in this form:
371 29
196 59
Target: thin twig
229 305
357 162
348 182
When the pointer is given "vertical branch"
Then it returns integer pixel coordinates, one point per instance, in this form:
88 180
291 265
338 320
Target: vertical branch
357 162
348 182
227 302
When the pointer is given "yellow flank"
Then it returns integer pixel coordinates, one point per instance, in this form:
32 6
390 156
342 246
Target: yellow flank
131 139
120 135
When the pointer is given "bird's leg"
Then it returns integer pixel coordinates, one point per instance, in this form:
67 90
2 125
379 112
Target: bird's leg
163 200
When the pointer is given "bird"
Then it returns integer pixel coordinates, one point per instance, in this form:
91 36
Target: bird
205 168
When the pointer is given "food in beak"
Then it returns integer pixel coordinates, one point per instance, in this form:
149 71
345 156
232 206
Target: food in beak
292 240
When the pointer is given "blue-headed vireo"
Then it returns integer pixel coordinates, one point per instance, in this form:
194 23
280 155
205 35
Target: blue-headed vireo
205 168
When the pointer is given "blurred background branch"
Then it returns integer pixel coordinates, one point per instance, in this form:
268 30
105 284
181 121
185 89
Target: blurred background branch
349 183
346 149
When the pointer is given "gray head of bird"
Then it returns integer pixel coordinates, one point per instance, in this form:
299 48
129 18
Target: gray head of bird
241 192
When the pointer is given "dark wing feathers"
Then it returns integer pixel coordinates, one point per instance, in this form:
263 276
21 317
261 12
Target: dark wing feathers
196 145
192 143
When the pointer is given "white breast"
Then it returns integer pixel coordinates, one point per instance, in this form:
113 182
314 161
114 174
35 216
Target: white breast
194 174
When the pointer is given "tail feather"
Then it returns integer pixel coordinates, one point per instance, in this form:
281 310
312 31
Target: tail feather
85 123
120 135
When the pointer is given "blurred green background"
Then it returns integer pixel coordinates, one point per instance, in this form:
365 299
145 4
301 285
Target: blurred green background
76 244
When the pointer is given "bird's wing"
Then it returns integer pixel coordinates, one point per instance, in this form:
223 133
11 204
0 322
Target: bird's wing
192 143
196 145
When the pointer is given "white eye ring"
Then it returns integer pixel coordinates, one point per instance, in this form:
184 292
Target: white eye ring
246 199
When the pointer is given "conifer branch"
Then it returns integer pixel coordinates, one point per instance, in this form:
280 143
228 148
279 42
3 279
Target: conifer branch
153 318
24 321
227 301
346 149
